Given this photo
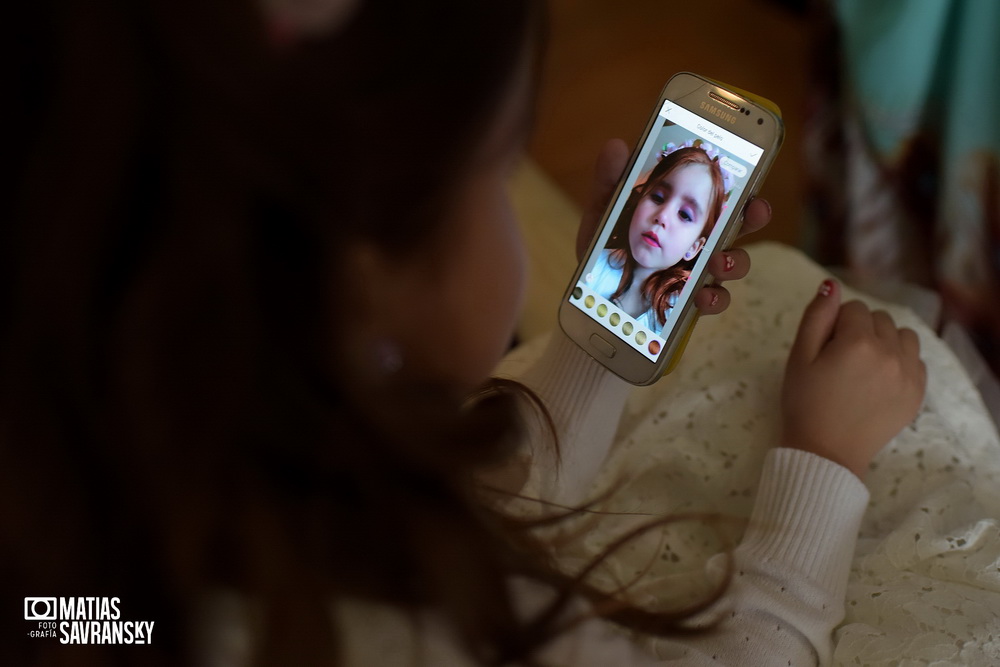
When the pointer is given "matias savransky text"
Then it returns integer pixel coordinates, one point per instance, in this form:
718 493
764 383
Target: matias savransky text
85 620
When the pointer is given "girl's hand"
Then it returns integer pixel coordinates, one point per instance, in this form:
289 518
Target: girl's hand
853 381
731 264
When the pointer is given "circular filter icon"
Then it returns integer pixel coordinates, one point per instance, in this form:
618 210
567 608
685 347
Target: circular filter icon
627 328
589 301
615 319
602 310
654 347
578 293
640 338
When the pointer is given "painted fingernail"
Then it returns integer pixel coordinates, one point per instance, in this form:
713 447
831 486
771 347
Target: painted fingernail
730 263
826 288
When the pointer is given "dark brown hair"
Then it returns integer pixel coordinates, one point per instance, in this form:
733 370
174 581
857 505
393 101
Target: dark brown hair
658 288
172 419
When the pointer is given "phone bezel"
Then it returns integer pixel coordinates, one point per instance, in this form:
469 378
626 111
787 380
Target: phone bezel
686 90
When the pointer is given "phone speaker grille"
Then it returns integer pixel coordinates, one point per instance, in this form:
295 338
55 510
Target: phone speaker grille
722 100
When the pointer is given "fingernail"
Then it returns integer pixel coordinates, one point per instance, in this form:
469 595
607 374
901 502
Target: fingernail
730 263
715 299
826 288
768 205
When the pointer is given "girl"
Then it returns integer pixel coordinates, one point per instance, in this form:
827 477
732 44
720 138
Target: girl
669 218
221 401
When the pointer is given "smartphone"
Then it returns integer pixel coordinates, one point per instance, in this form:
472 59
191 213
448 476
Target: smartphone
702 157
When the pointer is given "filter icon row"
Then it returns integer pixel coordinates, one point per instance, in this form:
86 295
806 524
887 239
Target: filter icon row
614 318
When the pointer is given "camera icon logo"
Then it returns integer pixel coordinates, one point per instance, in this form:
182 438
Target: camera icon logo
40 609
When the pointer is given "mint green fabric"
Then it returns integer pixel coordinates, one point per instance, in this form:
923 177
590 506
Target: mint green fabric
914 64
921 85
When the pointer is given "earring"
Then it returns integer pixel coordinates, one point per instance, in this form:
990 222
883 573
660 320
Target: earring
693 251
388 356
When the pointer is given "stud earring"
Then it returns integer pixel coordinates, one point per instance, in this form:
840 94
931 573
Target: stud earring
388 356
693 251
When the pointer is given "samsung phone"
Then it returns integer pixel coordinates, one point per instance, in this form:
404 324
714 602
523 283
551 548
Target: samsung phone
702 157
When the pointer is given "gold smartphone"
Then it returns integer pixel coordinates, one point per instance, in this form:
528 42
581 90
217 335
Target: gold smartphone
702 157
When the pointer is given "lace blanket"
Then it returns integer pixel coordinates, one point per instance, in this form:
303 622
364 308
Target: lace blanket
925 581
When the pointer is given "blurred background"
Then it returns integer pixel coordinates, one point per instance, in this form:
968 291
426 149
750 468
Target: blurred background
607 62
890 167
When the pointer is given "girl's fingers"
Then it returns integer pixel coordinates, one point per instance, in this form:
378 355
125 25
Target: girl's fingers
712 299
756 216
909 342
819 320
731 264
855 320
885 328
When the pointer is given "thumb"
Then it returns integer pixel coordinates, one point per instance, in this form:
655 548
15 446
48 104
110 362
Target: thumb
817 323
610 164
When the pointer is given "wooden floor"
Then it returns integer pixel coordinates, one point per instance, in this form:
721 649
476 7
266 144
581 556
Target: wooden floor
607 61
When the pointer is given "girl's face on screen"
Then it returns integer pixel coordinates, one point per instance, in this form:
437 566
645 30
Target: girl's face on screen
669 219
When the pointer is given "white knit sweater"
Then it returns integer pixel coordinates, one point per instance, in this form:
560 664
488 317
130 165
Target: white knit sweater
790 573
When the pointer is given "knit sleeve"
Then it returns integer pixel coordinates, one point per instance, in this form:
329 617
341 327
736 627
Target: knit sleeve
791 569
785 598
584 401
789 578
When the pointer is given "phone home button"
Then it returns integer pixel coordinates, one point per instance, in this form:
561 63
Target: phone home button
602 346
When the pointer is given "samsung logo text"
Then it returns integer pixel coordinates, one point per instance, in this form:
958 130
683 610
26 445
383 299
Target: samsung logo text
718 113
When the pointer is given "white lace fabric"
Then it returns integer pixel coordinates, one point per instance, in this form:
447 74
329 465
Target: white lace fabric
925 581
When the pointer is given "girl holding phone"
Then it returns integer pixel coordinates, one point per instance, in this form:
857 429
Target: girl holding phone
221 399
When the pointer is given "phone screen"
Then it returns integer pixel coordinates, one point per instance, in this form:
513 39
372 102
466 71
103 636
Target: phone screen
668 219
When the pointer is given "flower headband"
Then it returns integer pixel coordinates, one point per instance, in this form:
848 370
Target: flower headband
713 153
